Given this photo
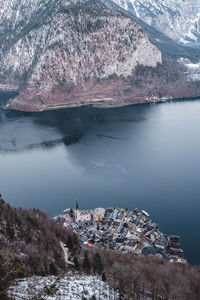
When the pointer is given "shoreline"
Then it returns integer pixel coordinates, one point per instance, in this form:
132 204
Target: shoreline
101 105
118 105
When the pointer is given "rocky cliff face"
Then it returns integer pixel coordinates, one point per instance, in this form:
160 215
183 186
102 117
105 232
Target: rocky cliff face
178 19
64 51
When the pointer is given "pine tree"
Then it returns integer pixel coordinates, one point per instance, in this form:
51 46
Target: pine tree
86 263
103 277
97 266
71 213
75 239
76 263
53 269
69 243
5 280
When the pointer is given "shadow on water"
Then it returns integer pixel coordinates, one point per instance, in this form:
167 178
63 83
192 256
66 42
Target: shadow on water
21 131
5 96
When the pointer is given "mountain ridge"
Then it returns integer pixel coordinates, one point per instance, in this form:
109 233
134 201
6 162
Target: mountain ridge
178 19
167 45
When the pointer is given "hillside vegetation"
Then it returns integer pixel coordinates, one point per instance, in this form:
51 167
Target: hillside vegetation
30 244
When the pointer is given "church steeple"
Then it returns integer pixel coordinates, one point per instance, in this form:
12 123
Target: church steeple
77 207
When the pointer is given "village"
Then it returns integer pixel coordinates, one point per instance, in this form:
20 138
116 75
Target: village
121 230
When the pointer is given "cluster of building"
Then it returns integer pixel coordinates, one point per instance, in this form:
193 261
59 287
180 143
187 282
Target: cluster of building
121 230
155 99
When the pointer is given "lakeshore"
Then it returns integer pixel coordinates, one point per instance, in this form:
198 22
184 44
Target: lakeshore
122 230
104 103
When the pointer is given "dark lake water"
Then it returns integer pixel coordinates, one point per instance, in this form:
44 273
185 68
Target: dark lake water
145 156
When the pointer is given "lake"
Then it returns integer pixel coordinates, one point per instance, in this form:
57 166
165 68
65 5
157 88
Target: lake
145 156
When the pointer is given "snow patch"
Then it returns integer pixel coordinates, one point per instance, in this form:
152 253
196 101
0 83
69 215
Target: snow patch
178 19
69 287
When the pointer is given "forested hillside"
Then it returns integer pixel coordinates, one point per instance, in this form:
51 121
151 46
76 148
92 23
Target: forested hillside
30 244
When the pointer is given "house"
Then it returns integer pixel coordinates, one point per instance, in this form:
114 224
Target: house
138 221
108 212
116 223
83 216
132 224
120 214
99 245
107 221
104 238
149 250
99 214
161 242
176 251
80 224
114 214
131 246
120 239
154 226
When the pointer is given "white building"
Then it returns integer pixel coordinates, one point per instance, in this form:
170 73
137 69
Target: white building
83 215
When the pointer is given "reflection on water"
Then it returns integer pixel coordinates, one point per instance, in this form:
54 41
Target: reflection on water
22 131
139 156
5 96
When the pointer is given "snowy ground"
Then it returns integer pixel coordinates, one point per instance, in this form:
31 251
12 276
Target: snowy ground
69 287
193 69
189 64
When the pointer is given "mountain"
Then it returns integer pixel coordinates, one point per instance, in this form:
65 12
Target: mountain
60 53
56 50
169 47
178 19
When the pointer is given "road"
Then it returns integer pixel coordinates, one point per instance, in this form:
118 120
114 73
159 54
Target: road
66 254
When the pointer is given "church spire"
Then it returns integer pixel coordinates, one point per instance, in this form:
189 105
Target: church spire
77 207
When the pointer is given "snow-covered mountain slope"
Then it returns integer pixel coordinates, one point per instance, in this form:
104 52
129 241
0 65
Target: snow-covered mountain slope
57 49
178 19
